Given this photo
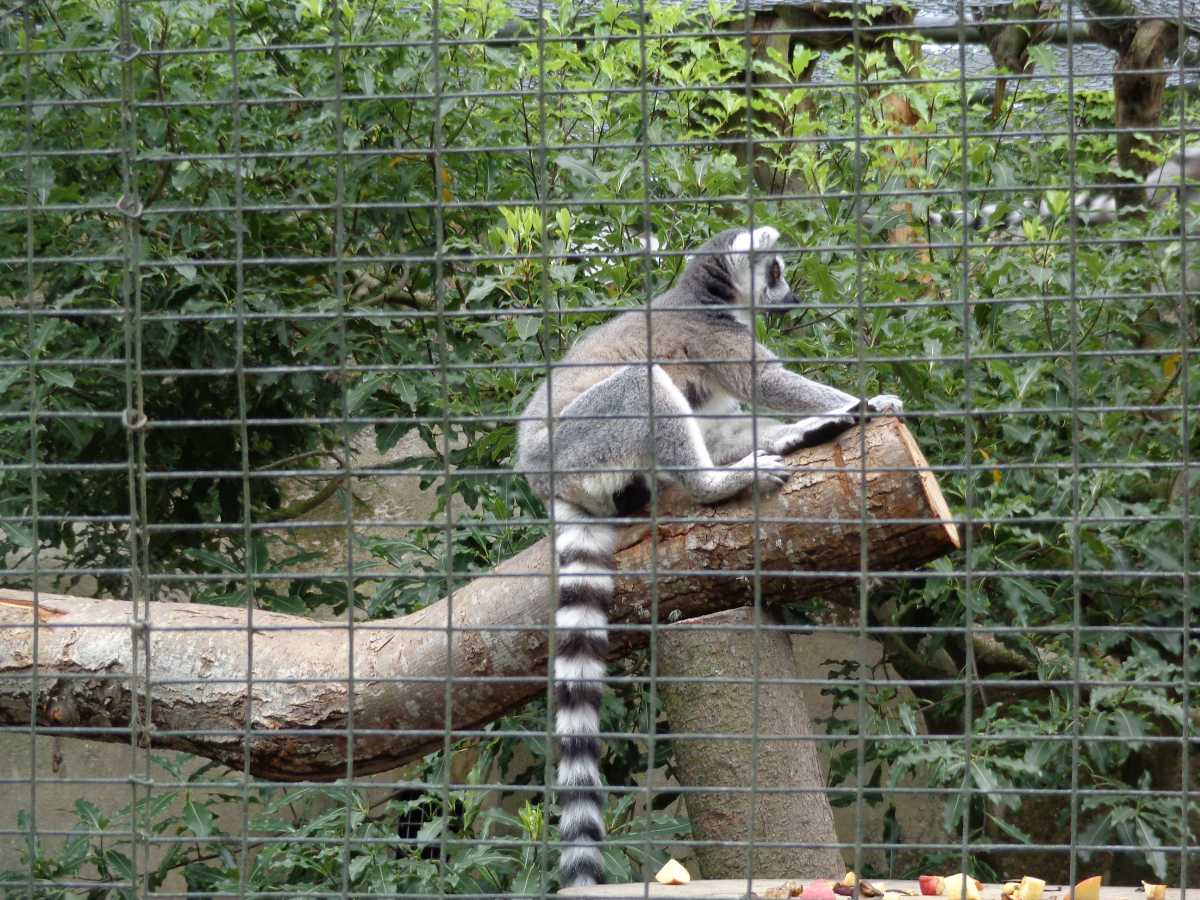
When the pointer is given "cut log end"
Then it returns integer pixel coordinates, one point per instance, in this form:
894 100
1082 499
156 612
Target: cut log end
929 483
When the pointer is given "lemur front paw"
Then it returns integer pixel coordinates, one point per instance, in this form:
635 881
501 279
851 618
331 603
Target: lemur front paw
888 404
810 431
885 404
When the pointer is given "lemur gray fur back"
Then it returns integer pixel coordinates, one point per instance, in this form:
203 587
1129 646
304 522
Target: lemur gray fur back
620 409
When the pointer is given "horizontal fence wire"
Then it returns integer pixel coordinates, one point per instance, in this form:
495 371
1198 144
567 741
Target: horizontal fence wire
279 287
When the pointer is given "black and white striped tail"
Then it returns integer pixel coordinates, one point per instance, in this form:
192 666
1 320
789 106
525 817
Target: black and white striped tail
585 587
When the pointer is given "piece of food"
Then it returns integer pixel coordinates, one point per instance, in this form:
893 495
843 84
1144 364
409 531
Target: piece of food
784 891
1030 888
1155 891
865 889
849 880
1088 889
963 887
819 890
1008 890
673 873
932 885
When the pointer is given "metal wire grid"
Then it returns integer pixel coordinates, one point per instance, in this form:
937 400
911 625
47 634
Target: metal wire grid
139 160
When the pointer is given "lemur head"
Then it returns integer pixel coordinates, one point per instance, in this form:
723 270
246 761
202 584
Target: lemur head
732 264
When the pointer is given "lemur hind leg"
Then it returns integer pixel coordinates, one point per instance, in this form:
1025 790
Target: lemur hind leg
636 420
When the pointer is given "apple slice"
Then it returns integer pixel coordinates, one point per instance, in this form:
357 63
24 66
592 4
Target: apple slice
1088 889
931 885
1030 888
672 873
963 887
1155 891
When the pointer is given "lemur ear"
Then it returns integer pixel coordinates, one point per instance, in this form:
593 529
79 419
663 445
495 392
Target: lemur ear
759 240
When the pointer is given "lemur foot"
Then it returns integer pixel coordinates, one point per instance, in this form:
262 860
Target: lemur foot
810 431
770 471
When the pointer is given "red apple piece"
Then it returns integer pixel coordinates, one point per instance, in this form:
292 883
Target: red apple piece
931 885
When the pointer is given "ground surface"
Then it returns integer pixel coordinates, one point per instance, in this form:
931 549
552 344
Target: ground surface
735 889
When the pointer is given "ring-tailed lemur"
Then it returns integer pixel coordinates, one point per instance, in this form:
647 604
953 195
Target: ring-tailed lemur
659 394
1180 175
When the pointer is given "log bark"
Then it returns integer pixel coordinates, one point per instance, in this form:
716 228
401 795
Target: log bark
303 699
698 660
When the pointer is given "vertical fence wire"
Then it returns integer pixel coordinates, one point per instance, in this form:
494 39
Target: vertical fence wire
464 253
966 297
31 330
1186 252
1076 593
245 861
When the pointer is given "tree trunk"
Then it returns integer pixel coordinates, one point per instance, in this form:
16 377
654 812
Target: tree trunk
789 803
301 698
1009 45
1138 95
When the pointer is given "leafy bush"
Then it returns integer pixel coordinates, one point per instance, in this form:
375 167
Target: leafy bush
330 839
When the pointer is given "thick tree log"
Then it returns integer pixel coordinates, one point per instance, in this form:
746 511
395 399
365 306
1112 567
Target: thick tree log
700 696
281 692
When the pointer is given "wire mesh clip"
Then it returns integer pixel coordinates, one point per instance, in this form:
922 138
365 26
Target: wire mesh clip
134 419
123 51
129 205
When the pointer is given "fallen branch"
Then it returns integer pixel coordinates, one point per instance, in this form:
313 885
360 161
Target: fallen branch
222 683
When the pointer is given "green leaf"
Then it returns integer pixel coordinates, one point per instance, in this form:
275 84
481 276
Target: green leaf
215 561
198 818
528 882
527 326
1010 829
89 814
481 289
18 535
583 171
57 377
120 866
358 865
1156 858
431 831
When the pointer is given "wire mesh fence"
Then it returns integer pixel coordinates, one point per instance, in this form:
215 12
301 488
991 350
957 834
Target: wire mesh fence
284 286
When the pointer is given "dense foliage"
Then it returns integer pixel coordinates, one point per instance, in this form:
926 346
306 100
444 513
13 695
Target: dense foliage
306 263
